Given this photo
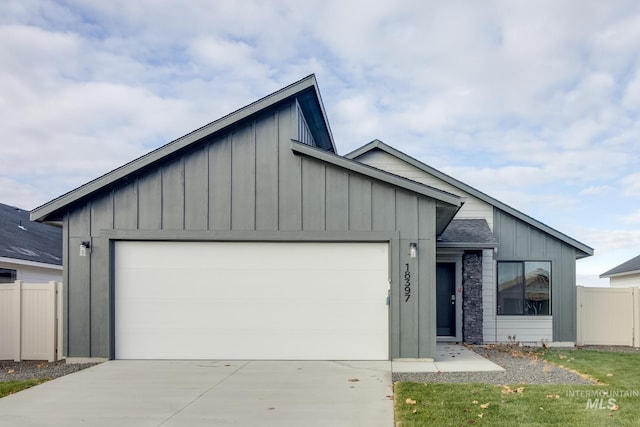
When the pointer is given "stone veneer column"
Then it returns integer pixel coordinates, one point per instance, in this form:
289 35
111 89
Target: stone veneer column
472 297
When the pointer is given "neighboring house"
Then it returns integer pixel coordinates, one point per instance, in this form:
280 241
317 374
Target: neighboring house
250 238
29 251
625 275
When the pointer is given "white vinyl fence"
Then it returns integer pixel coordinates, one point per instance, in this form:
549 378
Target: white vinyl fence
608 316
30 321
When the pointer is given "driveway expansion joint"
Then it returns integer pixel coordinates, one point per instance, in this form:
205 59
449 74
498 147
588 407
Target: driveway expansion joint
198 397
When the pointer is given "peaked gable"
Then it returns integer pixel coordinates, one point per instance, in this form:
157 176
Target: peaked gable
315 130
582 249
472 208
447 204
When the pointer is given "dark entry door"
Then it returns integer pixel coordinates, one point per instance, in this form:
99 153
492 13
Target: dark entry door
445 298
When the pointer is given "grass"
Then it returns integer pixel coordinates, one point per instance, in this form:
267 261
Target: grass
532 405
10 387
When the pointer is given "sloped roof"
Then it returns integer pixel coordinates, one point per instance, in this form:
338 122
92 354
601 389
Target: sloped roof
21 239
305 90
583 249
467 233
447 204
627 267
307 94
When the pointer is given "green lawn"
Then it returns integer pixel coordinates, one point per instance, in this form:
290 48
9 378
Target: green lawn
11 387
532 405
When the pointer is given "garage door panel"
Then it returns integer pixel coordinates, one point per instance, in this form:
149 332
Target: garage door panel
251 300
280 315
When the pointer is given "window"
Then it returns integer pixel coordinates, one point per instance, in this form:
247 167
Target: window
7 275
524 288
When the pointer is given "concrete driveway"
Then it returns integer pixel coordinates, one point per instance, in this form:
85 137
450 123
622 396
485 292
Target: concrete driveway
211 393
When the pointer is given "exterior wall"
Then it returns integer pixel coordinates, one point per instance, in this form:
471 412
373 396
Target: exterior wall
248 185
472 297
34 274
531 330
519 241
626 281
473 207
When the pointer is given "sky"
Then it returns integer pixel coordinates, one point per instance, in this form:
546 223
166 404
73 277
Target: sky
536 103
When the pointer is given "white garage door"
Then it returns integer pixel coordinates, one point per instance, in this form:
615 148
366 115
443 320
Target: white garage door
222 300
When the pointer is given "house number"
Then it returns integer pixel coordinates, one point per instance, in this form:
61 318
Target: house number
407 284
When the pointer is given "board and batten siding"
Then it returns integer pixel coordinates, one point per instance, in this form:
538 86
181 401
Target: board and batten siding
522 242
247 184
473 207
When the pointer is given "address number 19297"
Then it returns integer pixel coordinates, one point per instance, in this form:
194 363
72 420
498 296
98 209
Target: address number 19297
407 284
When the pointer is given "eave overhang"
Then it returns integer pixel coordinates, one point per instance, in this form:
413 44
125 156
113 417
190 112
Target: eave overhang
582 250
305 91
447 204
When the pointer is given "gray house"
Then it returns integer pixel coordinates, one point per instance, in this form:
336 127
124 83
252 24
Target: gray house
250 238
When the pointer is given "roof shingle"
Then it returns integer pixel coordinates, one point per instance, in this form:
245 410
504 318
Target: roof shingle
468 233
29 241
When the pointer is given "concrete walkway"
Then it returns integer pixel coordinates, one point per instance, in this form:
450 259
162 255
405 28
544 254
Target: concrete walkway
449 358
209 393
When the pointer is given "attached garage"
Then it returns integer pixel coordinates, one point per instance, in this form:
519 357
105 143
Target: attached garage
251 300
250 238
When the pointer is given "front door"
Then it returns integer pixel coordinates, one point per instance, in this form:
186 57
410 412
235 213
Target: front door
446 299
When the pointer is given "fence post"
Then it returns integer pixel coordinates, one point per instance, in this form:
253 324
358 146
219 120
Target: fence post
59 325
51 324
636 317
17 321
579 320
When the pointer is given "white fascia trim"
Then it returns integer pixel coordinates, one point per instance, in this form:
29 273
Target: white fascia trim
30 263
624 273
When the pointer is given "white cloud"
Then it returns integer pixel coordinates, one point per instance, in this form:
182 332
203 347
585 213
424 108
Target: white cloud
632 218
595 190
21 195
609 239
224 56
631 97
631 183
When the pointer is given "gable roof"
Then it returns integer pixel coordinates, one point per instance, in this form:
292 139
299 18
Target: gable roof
583 250
628 267
305 91
447 204
23 240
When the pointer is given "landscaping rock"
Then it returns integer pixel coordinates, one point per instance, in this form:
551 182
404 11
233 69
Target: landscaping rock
521 366
34 369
